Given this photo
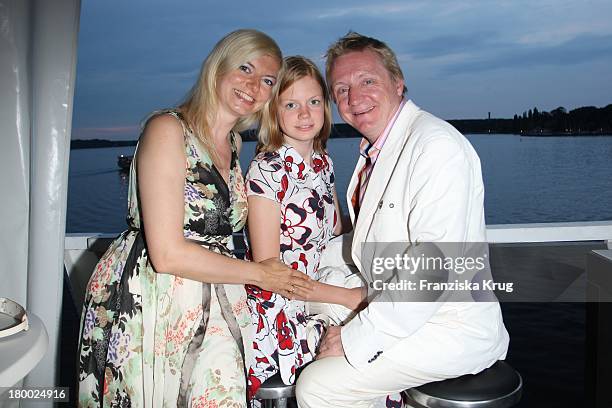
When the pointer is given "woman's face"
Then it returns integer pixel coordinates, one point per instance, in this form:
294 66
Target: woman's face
301 110
246 89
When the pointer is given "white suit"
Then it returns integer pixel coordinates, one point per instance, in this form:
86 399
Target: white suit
426 186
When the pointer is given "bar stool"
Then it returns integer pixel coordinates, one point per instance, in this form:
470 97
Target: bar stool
498 386
275 393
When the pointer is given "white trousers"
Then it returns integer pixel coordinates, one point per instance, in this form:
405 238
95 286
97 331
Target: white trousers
333 382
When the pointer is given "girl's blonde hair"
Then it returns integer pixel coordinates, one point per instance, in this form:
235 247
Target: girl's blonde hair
202 101
270 134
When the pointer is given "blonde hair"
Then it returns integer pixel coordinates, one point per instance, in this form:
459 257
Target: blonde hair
202 102
270 134
352 42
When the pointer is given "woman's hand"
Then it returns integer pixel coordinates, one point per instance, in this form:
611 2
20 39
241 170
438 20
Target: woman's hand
279 278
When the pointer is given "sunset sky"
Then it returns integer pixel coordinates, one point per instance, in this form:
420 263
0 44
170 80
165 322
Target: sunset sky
461 58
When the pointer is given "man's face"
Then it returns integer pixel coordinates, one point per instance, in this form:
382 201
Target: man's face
365 93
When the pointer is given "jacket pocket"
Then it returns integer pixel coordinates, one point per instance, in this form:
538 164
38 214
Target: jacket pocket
388 226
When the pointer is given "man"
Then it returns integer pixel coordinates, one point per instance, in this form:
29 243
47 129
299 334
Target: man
418 180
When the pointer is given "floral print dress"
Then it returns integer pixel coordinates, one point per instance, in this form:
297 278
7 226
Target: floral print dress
158 340
285 338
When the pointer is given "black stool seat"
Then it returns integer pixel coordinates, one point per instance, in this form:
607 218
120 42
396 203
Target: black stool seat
274 388
498 386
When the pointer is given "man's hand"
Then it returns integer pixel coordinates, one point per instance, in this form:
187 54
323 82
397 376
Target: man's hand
331 345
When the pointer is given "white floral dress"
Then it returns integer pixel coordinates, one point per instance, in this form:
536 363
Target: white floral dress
285 338
158 340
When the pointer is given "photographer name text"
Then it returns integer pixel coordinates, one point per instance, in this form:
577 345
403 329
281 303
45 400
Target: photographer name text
457 285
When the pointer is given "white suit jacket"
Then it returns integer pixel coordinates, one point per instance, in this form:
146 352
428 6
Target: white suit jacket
426 186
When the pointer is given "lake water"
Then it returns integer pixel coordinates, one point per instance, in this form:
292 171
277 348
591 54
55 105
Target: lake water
527 179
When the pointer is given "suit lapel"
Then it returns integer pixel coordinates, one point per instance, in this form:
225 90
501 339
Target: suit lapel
381 174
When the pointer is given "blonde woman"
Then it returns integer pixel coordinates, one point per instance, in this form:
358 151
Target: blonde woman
165 304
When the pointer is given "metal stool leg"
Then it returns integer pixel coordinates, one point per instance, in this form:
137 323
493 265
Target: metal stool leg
274 393
275 403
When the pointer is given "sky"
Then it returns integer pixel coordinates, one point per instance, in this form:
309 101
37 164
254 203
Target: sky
461 58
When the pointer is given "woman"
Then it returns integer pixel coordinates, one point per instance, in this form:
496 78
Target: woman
161 321
293 214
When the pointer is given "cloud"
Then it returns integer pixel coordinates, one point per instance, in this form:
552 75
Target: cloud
448 44
378 9
142 55
579 50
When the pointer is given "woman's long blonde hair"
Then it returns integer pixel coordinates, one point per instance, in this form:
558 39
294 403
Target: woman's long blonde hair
202 101
270 135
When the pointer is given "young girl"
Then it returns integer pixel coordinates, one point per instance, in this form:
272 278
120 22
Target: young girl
293 213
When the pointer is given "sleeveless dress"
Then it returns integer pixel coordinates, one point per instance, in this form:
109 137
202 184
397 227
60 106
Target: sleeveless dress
158 340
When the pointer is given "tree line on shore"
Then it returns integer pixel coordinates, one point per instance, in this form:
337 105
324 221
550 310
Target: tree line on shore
339 130
587 120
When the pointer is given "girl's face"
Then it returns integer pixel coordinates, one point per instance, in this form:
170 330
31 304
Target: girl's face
301 110
246 89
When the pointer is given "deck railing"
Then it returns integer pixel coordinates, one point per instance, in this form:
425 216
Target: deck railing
580 249
576 239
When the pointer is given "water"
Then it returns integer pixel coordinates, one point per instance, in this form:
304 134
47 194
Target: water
97 191
527 179
553 179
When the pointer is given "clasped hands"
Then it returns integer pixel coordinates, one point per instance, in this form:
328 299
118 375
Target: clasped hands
293 284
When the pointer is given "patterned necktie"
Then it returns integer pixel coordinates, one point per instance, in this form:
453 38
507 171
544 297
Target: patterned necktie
362 183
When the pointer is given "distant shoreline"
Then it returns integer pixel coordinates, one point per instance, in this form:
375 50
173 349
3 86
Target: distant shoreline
579 122
340 131
77 144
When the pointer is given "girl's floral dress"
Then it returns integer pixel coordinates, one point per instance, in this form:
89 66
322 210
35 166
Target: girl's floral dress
158 340
284 337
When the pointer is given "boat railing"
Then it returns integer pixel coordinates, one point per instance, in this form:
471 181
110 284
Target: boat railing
581 251
519 247
551 232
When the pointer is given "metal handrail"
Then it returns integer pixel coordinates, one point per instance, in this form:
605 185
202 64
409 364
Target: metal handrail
496 234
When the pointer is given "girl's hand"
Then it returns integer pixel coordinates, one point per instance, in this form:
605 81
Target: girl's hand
279 278
356 298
